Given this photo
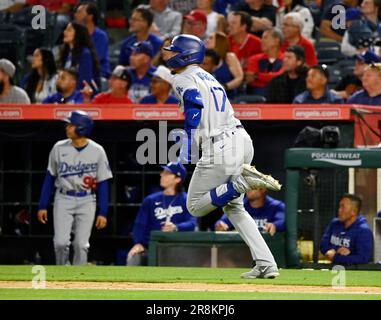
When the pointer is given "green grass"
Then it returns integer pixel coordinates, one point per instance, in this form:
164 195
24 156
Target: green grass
58 294
185 275
201 275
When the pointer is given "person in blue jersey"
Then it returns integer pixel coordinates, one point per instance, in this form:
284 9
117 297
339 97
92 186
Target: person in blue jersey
371 81
161 88
78 52
141 71
78 172
348 238
268 213
140 24
164 210
66 87
88 14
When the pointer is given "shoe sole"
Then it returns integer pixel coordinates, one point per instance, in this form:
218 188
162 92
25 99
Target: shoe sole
270 275
271 183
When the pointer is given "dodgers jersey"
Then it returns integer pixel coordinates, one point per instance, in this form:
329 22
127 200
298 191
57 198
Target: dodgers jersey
217 112
158 208
78 170
358 238
273 211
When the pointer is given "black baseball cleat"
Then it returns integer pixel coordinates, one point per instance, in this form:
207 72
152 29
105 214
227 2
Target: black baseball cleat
258 180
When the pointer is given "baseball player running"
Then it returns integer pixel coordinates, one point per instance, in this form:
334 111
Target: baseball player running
223 174
77 168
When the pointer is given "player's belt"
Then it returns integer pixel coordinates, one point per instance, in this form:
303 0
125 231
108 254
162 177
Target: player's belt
73 193
221 136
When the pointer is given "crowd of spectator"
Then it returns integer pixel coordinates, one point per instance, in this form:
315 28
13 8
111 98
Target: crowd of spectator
255 47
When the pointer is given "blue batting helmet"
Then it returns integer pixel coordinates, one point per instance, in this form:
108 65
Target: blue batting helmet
191 50
82 121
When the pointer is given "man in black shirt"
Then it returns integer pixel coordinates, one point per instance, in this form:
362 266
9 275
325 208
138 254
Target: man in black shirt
263 15
285 87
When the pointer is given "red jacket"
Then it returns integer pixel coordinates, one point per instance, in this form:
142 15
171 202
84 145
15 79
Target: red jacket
265 70
309 50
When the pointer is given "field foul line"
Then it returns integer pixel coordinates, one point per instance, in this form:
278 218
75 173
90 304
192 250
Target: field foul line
192 287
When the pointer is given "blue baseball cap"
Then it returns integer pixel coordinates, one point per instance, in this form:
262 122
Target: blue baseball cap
143 47
177 168
368 57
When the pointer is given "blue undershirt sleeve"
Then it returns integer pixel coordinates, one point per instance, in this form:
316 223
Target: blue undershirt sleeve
47 190
103 197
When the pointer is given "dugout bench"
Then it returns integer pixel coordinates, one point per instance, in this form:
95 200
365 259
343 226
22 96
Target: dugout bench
209 249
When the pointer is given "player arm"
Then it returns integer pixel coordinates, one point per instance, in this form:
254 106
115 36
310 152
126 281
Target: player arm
192 112
103 193
188 225
50 177
279 219
190 221
47 190
363 246
141 230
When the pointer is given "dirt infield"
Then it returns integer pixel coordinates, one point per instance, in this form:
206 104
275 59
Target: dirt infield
191 287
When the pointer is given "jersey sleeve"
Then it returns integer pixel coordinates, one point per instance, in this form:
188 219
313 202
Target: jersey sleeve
53 162
104 170
182 86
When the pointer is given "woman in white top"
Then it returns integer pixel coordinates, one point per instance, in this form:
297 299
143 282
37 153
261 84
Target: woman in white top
216 21
300 7
41 81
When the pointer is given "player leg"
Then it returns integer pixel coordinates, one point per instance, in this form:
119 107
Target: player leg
221 175
248 229
84 220
204 196
62 221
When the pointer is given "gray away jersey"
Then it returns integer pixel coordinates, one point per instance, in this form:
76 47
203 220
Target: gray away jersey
78 170
218 113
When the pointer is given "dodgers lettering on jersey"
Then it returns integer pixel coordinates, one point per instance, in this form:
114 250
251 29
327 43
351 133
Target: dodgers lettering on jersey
78 170
217 113
158 208
167 213
341 240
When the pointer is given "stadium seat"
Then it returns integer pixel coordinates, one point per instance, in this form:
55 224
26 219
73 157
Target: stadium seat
247 99
114 54
35 38
4 17
328 52
12 47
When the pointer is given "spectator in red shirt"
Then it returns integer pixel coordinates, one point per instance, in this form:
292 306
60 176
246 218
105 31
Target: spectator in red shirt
263 67
119 84
195 23
242 43
292 28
